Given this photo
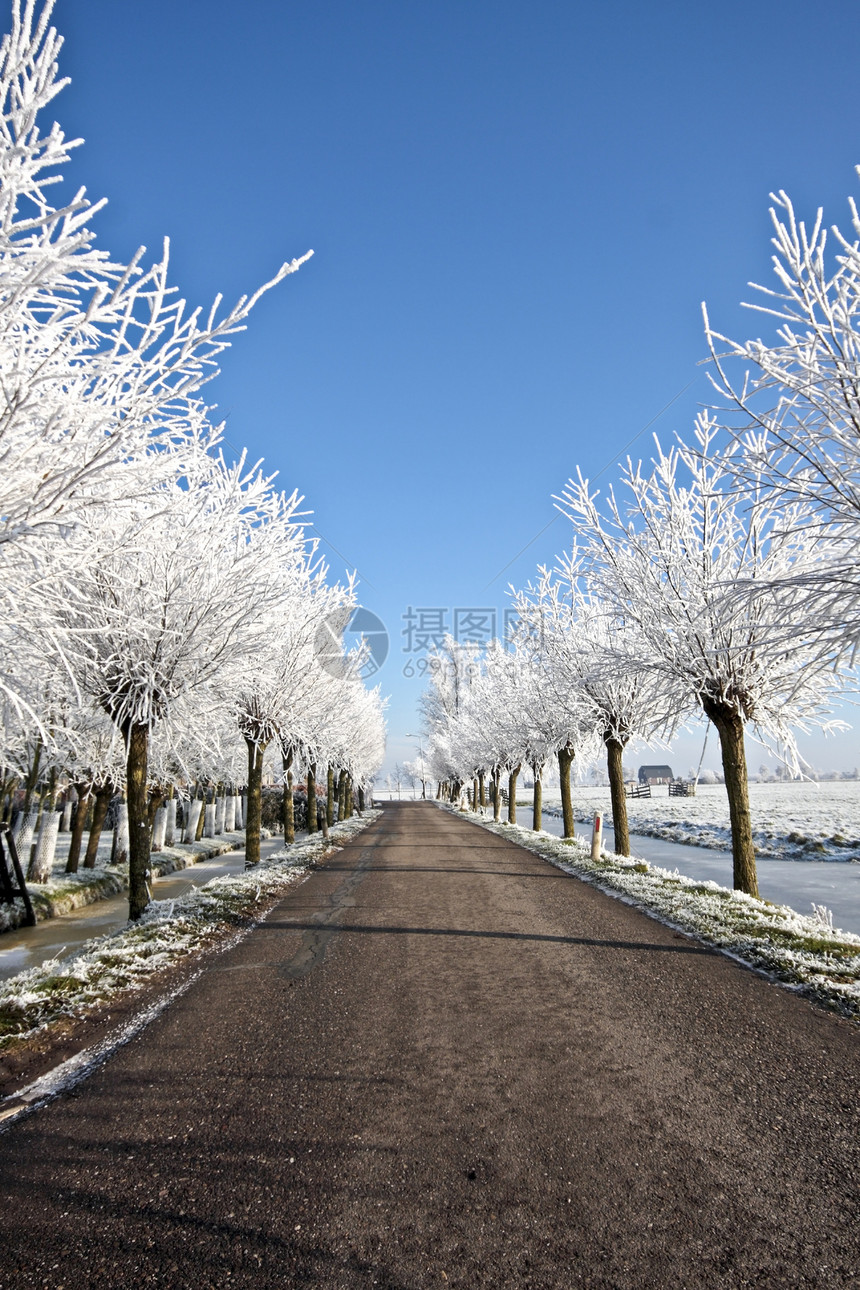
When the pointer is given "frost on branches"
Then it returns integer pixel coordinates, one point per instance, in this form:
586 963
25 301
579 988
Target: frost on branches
796 399
576 641
98 359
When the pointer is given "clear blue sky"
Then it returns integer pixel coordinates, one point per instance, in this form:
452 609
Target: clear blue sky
515 209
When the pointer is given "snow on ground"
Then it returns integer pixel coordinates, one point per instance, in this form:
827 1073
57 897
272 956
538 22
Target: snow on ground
804 821
168 931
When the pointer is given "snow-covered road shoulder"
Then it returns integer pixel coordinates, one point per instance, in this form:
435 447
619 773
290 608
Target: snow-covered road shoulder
168 932
803 953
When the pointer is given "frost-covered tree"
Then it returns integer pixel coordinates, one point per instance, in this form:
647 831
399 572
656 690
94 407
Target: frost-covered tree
670 560
796 399
453 670
161 595
276 691
594 669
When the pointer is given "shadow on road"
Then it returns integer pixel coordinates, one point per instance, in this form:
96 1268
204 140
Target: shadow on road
687 948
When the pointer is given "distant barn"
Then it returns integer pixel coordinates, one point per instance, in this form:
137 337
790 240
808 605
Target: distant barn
655 774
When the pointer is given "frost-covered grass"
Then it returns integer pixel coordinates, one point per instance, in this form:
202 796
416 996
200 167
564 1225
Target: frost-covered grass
806 953
169 931
790 821
64 892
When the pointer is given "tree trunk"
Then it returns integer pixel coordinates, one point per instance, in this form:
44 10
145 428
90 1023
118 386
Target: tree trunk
361 799
139 834
83 791
341 796
475 793
482 792
201 821
159 828
497 795
170 826
512 795
565 761
51 801
254 806
537 804
100 809
10 784
312 798
25 827
730 727
68 810
349 801
32 780
614 752
288 811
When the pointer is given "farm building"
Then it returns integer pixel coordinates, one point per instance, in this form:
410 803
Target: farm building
655 774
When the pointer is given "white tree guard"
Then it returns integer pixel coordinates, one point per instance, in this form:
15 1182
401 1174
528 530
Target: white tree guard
209 825
230 816
195 806
66 821
23 835
170 823
46 846
220 812
159 828
120 834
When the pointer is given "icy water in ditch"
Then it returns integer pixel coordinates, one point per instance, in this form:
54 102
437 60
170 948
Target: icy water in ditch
57 938
797 883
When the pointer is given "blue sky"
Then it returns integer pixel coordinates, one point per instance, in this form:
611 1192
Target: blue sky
516 211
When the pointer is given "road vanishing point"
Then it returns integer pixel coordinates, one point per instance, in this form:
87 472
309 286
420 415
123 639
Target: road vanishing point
442 1062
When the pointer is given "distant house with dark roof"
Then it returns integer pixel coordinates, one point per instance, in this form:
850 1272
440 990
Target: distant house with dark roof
655 774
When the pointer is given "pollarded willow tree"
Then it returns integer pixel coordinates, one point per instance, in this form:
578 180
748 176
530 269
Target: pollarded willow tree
526 724
695 569
595 671
161 596
282 692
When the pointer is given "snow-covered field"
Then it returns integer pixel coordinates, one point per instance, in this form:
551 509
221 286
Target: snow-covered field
790 821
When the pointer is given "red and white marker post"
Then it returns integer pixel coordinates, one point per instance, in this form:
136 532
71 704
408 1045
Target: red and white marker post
597 837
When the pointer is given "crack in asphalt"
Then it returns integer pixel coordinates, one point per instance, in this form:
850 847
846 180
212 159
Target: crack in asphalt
318 933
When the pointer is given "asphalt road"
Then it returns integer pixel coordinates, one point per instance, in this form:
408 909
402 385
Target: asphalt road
441 1062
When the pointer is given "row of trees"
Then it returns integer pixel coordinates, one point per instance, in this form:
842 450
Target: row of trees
719 580
160 605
